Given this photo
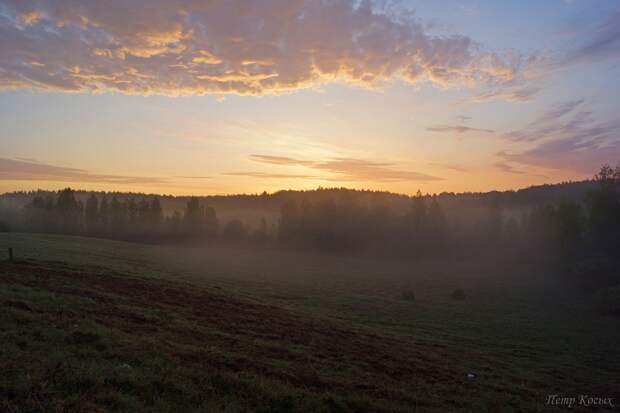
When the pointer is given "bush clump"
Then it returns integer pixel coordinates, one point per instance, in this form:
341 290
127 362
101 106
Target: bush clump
607 301
458 294
408 295
596 273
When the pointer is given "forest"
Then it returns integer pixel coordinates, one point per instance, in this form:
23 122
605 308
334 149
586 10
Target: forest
579 233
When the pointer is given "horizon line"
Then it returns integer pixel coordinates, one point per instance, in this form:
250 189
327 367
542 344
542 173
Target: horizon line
319 188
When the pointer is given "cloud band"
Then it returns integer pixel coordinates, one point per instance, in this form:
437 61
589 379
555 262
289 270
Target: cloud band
188 47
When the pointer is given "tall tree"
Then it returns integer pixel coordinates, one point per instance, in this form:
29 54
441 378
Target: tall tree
91 214
289 221
104 214
156 214
604 210
493 223
132 215
418 212
118 217
37 216
143 209
436 236
68 211
211 223
569 230
260 234
193 218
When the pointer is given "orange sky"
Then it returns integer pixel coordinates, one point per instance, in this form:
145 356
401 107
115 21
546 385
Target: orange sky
186 97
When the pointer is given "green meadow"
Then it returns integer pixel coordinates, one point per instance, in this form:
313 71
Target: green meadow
97 325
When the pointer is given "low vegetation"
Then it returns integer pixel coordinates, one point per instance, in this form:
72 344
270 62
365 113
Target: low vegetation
78 340
575 236
458 295
96 325
338 305
408 295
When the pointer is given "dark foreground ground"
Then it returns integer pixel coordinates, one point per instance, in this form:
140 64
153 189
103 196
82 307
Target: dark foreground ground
80 340
90 338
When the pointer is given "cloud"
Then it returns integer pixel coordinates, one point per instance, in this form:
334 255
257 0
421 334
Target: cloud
451 167
195 177
31 170
510 94
359 170
349 169
568 137
569 154
558 111
459 129
504 167
602 43
190 47
271 175
592 44
279 160
563 121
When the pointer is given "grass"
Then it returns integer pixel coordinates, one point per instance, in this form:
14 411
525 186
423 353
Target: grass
96 325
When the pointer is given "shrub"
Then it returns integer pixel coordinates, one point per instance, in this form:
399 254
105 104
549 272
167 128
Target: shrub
235 231
408 295
607 301
458 294
594 273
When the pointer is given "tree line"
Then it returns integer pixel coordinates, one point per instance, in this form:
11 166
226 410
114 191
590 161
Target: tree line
580 238
114 218
571 233
141 219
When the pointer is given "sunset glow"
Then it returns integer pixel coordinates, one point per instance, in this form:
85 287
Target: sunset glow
220 97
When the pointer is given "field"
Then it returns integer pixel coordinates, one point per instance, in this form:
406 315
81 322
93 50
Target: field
96 325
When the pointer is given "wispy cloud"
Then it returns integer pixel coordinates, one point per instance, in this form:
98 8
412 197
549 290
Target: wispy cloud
504 167
558 111
360 170
565 122
269 175
567 136
571 154
510 94
348 169
280 160
183 47
452 167
195 177
601 43
596 43
459 129
31 170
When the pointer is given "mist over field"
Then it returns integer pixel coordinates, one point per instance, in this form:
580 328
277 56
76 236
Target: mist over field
281 206
315 300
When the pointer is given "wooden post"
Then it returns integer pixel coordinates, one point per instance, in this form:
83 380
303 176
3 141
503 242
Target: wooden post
11 254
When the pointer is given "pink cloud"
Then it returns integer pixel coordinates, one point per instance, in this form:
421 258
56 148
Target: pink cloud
178 47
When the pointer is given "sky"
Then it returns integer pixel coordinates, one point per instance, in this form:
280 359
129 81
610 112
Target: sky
231 96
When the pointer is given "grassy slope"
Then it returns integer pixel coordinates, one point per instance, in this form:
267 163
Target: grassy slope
127 326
